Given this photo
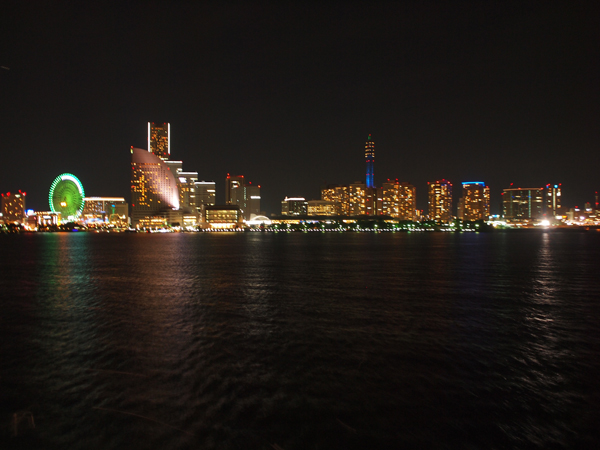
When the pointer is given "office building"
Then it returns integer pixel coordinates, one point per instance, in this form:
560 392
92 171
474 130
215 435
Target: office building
294 206
440 201
205 194
234 190
523 204
186 182
159 140
13 207
252 208
154 188
475 201
552 201
370 162
104 210
243 194
223 216
174 166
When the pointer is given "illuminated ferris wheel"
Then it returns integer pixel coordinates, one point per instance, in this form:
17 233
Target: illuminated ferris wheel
66 196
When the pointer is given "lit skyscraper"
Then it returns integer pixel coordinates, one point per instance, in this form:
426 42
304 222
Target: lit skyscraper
440 201
294 206
552 197
523 204
243 194
475 201
13 207
159 140
187 191
338 195
407 201
398 200
357 199
234 192
370 160
205 194
354 199
154 188
252 206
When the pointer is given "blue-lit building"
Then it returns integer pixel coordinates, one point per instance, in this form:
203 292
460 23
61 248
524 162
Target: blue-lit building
370 160
475 201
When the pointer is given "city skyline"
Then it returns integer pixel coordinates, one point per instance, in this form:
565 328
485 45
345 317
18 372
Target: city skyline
453 206
504 93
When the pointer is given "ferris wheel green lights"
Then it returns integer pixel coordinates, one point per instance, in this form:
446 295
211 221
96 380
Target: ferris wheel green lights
66 196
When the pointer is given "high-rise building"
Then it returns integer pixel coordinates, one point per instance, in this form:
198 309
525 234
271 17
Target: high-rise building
187 190
338 194
13 207
294 206
552 200
440 201
390 198
407 201
370 162
354 199
252 205
398 200
234 190
475 201
523 203
243 194
159 140
154 188
362 200
205 194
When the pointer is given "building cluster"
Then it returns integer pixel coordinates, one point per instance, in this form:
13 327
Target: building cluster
96 211
164 195
394 199
397 200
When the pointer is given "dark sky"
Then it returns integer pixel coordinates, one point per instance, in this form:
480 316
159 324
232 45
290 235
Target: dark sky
286 93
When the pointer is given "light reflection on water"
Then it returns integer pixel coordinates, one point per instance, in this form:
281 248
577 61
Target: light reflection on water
303 340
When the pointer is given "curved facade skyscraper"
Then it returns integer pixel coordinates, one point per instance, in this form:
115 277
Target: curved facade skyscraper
153 187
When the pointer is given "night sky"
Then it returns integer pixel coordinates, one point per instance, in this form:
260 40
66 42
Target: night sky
286 93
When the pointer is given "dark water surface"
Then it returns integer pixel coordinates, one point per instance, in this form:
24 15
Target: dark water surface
301 340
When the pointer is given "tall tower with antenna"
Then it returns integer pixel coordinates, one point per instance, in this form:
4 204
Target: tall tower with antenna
370 160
